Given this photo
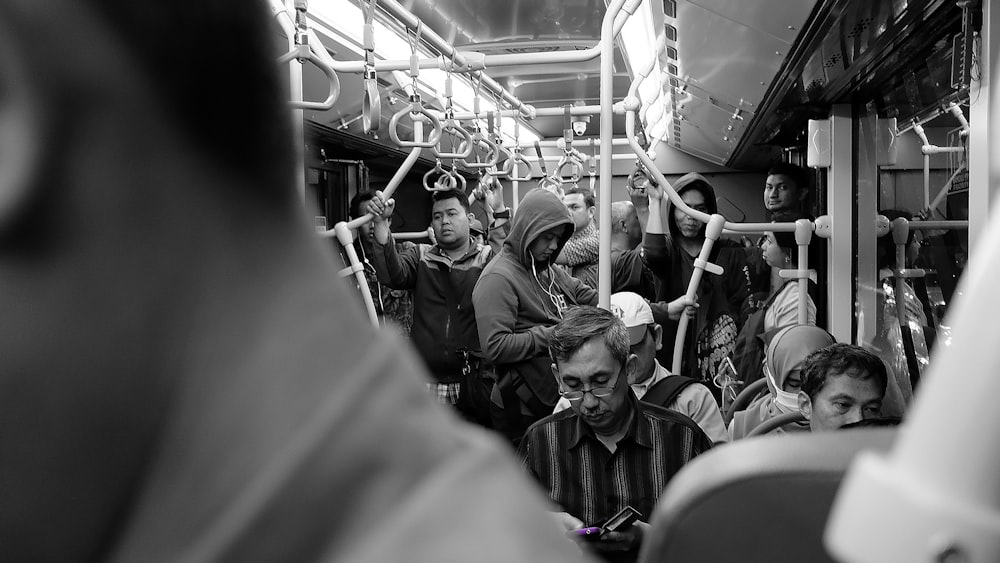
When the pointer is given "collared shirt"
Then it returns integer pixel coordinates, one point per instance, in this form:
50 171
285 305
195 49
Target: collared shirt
582 476
694 401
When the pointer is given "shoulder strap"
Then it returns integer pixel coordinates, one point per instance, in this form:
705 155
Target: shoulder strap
664 391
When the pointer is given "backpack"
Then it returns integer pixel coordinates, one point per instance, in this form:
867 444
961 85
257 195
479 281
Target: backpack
748 355
664 391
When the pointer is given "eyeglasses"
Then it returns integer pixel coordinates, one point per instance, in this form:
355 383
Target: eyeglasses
597 392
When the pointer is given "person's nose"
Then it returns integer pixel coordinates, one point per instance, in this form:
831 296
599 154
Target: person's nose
589 401
553 244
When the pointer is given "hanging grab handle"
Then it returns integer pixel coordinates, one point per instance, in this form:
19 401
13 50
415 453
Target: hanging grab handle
465 147
416 108
492 156
576 169
515 174
304 52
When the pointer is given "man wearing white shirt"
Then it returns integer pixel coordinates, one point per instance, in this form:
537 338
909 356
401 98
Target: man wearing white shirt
693 399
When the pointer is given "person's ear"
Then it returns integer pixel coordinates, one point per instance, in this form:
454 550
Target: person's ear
658 336
805 405
803 194
472 217
631 364
20 130
555 370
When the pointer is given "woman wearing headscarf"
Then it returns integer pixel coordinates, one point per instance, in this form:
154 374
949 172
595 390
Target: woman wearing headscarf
782 364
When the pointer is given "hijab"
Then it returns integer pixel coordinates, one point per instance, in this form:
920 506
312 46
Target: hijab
785 353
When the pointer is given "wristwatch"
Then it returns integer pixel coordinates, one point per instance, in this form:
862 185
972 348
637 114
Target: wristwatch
505 214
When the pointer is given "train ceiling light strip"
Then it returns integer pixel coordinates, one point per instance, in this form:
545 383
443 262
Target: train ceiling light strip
343 20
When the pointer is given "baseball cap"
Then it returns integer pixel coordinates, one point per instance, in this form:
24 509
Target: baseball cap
633 310
476 226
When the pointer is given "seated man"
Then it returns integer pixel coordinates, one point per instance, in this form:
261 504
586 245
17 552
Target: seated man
651 382
609 450
841 384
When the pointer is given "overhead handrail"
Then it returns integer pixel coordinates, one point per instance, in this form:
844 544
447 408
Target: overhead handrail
302 51
371 103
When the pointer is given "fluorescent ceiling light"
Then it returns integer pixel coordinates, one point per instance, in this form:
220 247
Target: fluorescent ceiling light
344 20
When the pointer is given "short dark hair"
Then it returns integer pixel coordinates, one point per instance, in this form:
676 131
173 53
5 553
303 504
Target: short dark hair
793 171
587 193
580 324
358 200
840 358
786 239
453 193
253 133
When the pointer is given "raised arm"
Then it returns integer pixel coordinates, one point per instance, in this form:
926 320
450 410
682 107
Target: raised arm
396 270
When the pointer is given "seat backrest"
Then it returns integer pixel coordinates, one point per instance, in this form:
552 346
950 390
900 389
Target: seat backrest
748 394
776 422
765 499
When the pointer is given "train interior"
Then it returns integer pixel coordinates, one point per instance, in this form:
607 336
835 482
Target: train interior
888 104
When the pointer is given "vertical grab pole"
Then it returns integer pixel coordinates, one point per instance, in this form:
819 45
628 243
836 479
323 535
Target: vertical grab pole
607 124
712 232
297 7
803 234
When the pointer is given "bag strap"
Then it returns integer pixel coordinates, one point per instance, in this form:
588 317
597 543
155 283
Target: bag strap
666 390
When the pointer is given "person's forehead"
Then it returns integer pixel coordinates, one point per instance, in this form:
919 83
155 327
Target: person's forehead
782 179
592 359
573 199
854 383
693 196
447 205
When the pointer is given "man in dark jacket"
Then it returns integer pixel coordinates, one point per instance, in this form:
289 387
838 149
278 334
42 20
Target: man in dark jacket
671 256
442 277
518 299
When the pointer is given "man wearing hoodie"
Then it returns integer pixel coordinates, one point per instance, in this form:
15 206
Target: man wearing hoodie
670 255
518 300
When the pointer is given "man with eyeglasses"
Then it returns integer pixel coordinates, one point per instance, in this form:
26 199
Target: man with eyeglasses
653 383
608 450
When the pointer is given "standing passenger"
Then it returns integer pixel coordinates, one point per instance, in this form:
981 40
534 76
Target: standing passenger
184 375
392 305
722 298
581 251
442 277
518 299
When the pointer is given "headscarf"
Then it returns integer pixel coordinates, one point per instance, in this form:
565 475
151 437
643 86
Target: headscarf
786 350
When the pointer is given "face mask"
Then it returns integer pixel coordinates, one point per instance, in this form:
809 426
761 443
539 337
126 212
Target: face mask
786 401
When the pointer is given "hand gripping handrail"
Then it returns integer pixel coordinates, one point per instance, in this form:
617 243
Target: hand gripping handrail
712 232
415 108
454 127
343 231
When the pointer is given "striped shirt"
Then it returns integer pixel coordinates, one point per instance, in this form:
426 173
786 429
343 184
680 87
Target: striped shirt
591 483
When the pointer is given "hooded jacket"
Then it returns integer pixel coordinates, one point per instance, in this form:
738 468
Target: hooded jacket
518 302
673 267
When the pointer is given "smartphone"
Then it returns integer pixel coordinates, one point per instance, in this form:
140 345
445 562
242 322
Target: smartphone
622 520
